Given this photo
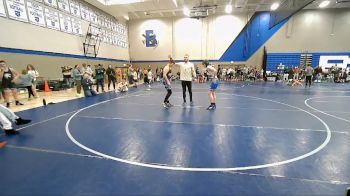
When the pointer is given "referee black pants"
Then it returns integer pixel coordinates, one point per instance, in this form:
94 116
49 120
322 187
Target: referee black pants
189 87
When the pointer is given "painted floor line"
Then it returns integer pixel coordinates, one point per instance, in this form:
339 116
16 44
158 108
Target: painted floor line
323 112
335 182
33 124
209 124
53 151
44 121
204 107
194 169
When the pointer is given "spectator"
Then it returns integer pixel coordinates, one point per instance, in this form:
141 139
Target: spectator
8 76
77 76
34 73
87 86
67 76
111 76
27 81
100 77
122 86
308 72
7 117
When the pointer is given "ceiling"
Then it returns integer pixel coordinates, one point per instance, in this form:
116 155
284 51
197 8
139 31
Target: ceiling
170 8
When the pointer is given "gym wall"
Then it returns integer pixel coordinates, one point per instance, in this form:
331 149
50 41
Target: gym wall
319 31
202 39
24 43
316 32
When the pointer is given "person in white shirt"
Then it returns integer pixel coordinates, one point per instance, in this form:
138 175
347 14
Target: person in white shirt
34 74
187 74
122 86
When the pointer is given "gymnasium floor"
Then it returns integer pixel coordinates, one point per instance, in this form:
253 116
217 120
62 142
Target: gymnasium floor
263 139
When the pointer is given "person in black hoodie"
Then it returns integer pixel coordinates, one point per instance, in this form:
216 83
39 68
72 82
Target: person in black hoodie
111 76
100 77
8 76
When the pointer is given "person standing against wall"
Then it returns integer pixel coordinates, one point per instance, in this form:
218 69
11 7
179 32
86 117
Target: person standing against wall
27 81
131 75
67 76
34 73
111 76
187 74
77 76
100 77
8 76
219 72
308 72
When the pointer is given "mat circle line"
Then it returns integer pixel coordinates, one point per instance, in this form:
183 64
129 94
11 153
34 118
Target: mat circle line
203 169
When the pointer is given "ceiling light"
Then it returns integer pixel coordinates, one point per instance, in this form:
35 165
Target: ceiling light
116 2
126 17
324 4
274 6
228 9
187 11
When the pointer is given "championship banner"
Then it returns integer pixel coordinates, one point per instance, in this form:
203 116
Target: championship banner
17 10
119 43
118 28
93 17
114 27
52 19
36 13
74 8
101 20
52 3
108 23
76 26
103 35
114 39
2 9
84 12
109 38
63 5
96 31
65 23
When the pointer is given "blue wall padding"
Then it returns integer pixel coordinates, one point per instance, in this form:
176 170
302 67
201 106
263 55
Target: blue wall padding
251 38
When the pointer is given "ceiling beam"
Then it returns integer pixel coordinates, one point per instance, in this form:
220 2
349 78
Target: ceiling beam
175 3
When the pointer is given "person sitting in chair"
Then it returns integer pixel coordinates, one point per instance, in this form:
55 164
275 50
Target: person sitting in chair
87 86
7 117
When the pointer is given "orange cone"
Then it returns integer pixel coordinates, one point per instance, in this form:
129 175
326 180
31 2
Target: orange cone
2 144
46 87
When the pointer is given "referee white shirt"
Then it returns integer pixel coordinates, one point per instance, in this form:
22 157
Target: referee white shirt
187 71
